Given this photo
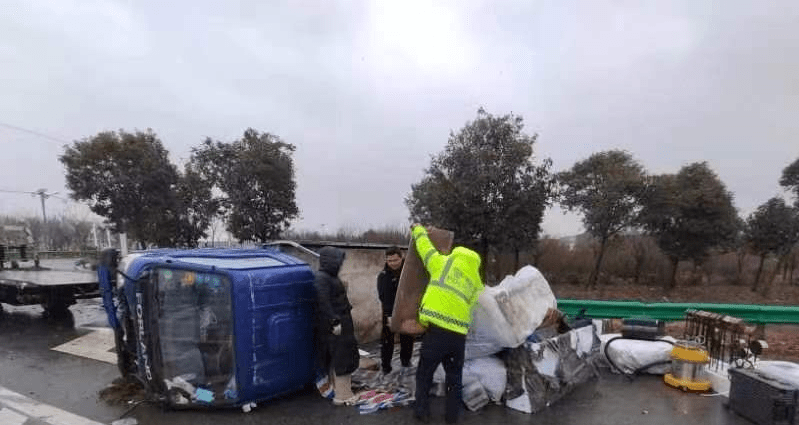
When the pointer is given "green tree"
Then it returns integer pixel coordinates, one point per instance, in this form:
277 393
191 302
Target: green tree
195 207
485 186
790 180
771 229
689 214
126 178
606 189
256 177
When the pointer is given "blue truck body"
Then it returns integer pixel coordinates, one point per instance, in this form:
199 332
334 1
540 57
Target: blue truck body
216 327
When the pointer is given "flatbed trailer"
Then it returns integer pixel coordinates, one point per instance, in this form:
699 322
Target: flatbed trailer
55 289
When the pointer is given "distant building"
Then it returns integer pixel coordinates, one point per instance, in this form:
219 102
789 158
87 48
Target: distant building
16 244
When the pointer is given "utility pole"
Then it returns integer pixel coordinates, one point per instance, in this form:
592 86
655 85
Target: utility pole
42 194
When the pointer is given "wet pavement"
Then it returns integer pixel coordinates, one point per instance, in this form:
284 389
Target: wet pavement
29 367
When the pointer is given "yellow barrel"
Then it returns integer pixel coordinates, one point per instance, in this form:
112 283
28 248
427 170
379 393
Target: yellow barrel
689 362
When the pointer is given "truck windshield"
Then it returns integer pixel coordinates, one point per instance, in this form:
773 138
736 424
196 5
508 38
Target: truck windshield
195 328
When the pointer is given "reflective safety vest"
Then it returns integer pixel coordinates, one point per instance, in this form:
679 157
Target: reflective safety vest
454 285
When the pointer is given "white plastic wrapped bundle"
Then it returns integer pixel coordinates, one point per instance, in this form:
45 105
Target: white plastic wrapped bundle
631 354
512 310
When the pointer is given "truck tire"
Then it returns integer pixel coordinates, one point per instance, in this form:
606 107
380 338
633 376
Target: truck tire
56 308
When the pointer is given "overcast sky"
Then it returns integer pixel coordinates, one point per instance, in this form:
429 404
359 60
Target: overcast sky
368 91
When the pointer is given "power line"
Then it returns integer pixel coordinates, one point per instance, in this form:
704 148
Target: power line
16 191
42 194
33 132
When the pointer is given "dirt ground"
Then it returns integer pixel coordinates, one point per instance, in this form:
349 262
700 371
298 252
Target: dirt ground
783 340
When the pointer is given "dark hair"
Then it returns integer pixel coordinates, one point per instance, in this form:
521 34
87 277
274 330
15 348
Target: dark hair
393 250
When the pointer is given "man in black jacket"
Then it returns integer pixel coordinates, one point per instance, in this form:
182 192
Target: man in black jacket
387 283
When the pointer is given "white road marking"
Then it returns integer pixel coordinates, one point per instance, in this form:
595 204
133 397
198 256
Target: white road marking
10 417
94 345
40 411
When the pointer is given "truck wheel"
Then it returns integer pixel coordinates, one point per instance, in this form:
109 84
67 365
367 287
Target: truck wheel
55 308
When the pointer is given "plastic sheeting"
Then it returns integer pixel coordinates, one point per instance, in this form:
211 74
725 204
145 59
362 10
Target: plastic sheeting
631 354
481 340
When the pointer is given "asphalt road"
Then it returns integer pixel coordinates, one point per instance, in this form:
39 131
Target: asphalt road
31 371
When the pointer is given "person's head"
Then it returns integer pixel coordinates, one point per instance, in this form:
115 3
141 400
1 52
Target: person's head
468 258
394 258
330 260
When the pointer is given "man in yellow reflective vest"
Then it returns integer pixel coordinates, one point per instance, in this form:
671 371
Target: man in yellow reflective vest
446 312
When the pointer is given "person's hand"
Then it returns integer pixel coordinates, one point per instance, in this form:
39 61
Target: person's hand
414 225
337 330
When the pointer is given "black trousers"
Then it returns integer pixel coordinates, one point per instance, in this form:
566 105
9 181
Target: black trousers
387 347
440 346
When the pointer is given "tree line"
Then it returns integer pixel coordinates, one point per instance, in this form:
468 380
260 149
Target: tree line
127 178
489 188
57 233
487 185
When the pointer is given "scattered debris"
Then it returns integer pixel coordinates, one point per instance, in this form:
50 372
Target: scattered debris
367 363
123 391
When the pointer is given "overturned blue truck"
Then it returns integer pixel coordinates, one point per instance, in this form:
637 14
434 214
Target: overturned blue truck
211 327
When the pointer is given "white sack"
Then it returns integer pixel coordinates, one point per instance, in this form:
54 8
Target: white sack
490 372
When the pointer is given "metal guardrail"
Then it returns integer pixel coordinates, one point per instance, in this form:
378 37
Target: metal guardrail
751 313
44 255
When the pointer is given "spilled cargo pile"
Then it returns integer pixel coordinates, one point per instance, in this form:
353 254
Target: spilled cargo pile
520 352
518 332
